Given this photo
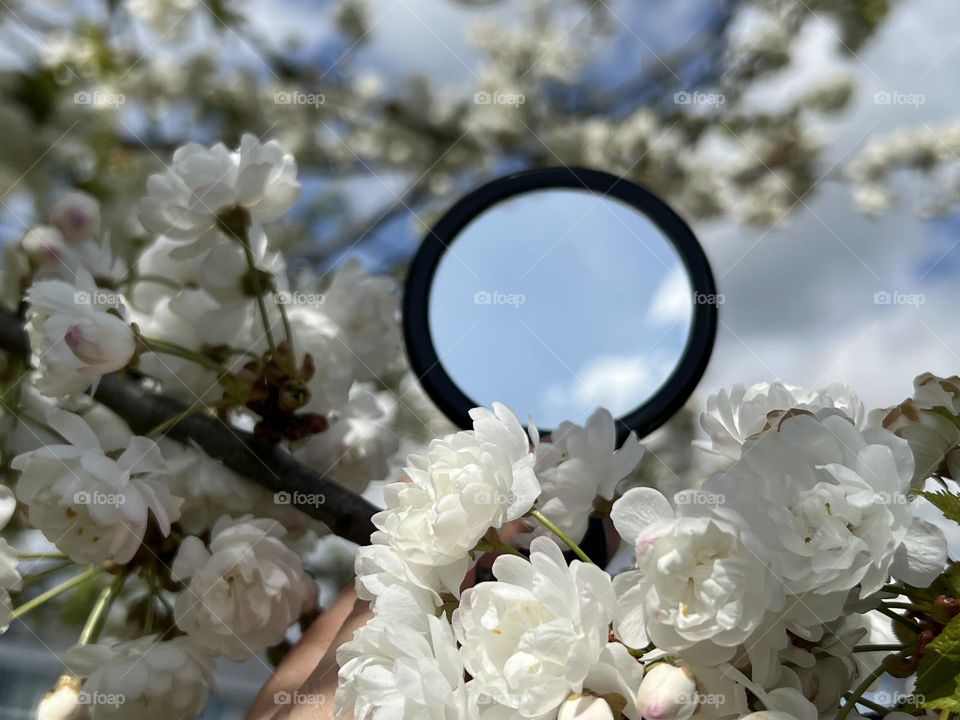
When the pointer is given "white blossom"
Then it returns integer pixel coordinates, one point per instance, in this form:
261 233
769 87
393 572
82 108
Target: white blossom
10 581
366 309
703 582
531 638
580 465
403 668
380 568
73 337
94 507
933 438
467 483
184 201
244 591
736 414
333 362
144 678
828 501
357 447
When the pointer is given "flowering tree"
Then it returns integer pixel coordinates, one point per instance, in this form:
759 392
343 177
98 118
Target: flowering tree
183 413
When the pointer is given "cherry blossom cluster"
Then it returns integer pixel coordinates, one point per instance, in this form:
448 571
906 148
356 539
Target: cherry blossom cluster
771 590
203 562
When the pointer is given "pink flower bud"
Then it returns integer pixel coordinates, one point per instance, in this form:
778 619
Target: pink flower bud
585 707
667 692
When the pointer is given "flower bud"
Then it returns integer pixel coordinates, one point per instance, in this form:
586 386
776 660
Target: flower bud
944 609
585 707
63 702
77 216
667 692
43 244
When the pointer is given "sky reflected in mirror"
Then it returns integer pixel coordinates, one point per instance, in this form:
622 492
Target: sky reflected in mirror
558 301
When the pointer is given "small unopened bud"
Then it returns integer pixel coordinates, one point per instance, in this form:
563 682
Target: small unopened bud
77 216
63 702
667 692
944 609
585 707
43 244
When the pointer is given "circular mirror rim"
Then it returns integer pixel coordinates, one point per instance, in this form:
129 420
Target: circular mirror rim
423 357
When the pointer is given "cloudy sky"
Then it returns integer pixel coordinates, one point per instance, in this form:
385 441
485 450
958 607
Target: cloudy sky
799 299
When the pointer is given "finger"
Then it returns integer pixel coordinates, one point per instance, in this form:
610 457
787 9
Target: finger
315 697
303 658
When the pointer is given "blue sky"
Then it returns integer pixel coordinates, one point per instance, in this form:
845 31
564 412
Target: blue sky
557 302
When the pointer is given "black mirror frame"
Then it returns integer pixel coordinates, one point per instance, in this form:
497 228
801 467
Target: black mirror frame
423 357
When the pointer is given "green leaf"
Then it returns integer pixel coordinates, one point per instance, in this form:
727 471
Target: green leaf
947 414
946 502
939 671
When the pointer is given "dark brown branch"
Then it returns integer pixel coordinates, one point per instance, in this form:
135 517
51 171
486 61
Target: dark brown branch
344 512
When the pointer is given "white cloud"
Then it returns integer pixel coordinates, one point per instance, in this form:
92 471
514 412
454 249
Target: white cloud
618 383
673 300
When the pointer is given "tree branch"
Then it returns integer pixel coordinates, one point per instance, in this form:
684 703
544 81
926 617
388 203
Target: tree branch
344 512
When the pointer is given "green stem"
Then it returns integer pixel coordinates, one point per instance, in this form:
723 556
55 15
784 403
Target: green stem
502 547
244 239
907 606
552 527
162 346
889 647
876 707
41 556
288 332
98 613
864 685
46 572
906 622
54 591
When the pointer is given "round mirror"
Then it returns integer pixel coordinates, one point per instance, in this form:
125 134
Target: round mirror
557 291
